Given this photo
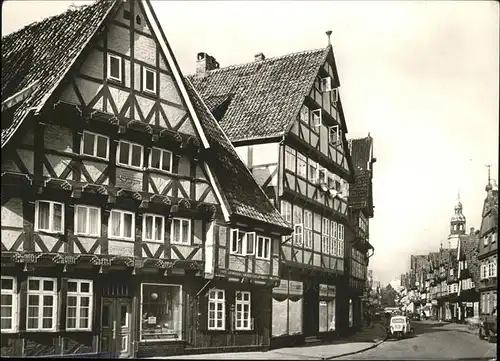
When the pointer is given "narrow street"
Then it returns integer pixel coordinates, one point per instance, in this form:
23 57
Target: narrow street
431 340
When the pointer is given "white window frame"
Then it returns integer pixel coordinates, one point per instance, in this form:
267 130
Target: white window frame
51 217
145 71
333 238
313 168
122 228
340 240
79 295
301 159
87 232
181 241
41 293
266 247
325 236
290 159
216 301
245 239
326 84
155 217
242 303
109 76
131 145
308 229
335 93
286 211
160 166
95 136
298 235
14 304
316 117
334 129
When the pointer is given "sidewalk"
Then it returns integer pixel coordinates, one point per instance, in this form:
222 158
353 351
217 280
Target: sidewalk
454 326
365 339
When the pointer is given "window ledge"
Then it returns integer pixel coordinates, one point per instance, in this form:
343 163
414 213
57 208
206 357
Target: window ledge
130 240
182 244
50 233
91 157
87 235
131 167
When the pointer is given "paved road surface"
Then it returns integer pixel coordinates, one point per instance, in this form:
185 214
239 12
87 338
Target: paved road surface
431 341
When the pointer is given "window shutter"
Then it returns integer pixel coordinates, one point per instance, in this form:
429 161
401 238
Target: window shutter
233 240
202 308
63 299
23 302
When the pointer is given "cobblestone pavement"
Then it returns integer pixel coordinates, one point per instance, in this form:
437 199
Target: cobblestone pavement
364 339
432 340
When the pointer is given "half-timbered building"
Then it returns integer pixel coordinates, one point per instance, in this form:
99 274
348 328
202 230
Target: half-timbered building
284 116
361 209
130 227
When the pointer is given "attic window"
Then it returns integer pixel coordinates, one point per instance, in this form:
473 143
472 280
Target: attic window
335 135
114 67
149 80
316 117
326 84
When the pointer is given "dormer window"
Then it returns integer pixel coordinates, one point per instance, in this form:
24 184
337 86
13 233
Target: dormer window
326 84
114 67
316 117
149 80
335 135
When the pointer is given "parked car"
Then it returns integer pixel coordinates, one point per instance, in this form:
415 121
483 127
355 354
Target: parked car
399 327
488 326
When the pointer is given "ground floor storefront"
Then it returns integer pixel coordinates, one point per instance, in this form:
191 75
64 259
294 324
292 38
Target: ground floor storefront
124 313
306 307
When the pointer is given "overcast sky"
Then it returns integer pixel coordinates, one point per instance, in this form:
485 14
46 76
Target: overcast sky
421 77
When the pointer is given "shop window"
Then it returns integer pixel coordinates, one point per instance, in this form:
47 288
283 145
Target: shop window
8 319
79 305
216 309
326 308
161 310
42 304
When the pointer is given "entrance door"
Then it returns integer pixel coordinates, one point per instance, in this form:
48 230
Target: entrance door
310 309
116 323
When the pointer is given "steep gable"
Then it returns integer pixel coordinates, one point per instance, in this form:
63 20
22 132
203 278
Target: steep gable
360 195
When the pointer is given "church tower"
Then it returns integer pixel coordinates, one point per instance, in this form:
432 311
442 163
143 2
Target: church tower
457 225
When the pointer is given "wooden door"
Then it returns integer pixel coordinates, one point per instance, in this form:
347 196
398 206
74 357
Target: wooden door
116 324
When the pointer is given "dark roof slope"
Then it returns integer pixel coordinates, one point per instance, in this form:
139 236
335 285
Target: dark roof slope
469 250
243 194
44 51
490 212
359 192
265 95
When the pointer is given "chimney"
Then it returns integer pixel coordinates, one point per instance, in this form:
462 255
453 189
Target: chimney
471 231
205 63
259 57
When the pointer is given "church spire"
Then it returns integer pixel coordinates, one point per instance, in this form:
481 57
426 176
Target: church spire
488 186
457 222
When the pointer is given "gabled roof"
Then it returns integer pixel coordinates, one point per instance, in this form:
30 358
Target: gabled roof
469 250
265 95
360 195
44 51
58 41
490 213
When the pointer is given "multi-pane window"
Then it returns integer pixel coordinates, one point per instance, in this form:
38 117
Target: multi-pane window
114 67
181 231
340 240
243 311
301 165
313 171
325 236
308 233
79 305
87 221
286 211
130 154
121 224
49 216
216 309
153 228
290 159
95 145
298 226
333 239
8 316
160 159
304 114
42 304
263 247
149 80
242 243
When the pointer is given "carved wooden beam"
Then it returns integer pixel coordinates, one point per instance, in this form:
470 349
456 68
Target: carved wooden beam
122 129
184 203
137 196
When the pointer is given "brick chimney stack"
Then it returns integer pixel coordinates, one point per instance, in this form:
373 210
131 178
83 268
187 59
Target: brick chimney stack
205 63
259 57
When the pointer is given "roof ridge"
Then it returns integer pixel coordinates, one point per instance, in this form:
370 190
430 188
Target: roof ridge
279 57
71 8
